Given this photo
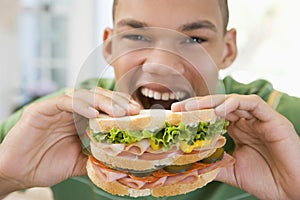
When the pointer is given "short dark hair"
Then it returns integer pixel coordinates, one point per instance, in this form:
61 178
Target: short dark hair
225 13
223 6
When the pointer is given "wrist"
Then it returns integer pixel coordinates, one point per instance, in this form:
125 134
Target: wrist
7 184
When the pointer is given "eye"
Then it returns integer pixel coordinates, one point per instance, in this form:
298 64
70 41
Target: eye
136 37
195 40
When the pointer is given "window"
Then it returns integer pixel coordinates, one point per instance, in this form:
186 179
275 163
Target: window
43 30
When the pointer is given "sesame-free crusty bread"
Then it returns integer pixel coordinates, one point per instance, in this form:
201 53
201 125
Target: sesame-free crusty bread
151 119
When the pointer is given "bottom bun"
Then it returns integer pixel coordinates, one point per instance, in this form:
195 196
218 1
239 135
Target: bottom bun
117 188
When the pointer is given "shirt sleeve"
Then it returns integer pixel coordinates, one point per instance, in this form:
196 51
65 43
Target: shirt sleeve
259 87
289 106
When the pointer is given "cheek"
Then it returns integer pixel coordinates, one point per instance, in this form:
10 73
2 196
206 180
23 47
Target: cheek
125 65
204 81
203 74
215 51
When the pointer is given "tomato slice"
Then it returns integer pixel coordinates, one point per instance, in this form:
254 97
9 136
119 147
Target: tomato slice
147 179
102 165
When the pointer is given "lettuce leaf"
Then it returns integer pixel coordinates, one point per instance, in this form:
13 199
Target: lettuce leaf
168 136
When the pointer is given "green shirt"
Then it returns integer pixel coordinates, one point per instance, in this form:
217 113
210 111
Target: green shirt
79 188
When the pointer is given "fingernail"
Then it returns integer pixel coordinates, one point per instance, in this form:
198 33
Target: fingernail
191 105
134 109
93 112
176 107
221 110
134 102
118 111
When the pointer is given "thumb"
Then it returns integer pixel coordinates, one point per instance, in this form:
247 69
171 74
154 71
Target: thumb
80 168
227 175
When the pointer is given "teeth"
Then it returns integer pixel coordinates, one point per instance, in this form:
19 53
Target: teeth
162 96
172 96
157 96
165 96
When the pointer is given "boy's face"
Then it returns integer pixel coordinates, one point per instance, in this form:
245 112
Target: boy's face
163 51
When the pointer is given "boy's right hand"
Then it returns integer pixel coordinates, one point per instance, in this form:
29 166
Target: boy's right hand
116 104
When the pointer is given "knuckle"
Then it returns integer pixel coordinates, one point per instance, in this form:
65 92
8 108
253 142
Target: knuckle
255 97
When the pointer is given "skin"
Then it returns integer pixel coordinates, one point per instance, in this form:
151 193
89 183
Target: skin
260 133
267 145
156 57
31 159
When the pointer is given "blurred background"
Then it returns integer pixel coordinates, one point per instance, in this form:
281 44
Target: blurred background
45 42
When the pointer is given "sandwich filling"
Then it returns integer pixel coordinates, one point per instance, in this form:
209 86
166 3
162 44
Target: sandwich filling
161 177
188 137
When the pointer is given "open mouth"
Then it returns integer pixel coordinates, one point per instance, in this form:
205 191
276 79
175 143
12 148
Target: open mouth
154 99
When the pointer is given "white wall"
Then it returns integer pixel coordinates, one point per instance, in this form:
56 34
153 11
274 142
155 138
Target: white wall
9 72
268 41
81 36
88 21
9 57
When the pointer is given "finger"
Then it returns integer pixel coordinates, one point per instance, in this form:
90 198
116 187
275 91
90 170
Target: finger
198 103
80 168
114 104
122 102
84 109
227 175
126 102
243 114
57 105
249 106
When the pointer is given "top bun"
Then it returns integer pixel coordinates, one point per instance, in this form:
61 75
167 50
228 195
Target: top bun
150 120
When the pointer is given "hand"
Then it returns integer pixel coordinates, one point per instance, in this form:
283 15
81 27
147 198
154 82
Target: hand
115 104
43 148
267 149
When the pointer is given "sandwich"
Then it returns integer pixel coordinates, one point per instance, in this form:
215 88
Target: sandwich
158 152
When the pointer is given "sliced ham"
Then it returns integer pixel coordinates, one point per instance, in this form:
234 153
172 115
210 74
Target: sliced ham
132 183
161 150
109 176
138 148
160 156
158 183
181 178
226 161
160 177
142 150
110 149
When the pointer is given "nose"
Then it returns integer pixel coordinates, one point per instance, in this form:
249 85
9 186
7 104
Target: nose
163 62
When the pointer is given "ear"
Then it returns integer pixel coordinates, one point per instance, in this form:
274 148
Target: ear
230 49
107 45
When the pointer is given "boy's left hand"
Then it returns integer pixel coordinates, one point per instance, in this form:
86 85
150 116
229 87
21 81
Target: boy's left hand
267 146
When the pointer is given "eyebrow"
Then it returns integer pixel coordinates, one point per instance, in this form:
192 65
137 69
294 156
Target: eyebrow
132 23
202 24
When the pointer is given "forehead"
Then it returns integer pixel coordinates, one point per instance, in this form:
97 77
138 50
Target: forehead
169 14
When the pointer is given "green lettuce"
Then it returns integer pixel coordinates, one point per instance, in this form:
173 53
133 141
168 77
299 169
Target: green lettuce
166 137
